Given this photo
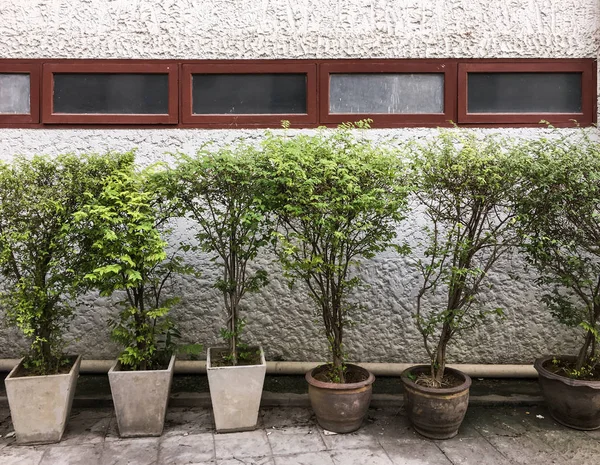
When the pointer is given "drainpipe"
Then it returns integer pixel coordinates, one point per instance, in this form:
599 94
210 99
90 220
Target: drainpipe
299 368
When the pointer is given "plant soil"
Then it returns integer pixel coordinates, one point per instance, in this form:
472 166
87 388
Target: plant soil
64 368
157 367
448 381
566 368
219 358
326 375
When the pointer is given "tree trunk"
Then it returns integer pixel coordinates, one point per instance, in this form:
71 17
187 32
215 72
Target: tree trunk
140 319
438 365
582 357
338 355
233 341
45 346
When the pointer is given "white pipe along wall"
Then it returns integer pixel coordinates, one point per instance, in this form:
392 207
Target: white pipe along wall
281 320
185 367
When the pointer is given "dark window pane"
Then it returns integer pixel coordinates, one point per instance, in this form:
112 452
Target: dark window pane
386 93
524 93
14 94
239 94
111 93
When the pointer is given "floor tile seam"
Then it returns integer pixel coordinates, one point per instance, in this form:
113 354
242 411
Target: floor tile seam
214 441
286 454
437 444
551 449
519 436
485 438
110 422
385 451
597 439
322 436
264 430
42 456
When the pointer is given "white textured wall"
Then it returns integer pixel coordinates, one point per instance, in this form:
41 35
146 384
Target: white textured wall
280 320
298 28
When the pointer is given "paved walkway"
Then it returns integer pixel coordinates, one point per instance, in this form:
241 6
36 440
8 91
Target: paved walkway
289 436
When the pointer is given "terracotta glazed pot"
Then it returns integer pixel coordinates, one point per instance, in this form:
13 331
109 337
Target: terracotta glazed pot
340 408
573 403
435 413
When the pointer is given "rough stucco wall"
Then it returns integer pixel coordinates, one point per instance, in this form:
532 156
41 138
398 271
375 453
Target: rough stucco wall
298 29
280 319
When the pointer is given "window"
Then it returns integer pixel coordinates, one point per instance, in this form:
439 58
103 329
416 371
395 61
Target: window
390 93
249 93
110 93
307 93
529 92
19 93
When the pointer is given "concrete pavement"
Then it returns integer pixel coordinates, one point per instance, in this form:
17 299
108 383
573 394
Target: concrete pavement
495 435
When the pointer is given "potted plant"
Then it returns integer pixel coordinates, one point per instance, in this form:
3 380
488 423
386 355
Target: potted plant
129 252
559 223
43 267
218 192
463 187
338 199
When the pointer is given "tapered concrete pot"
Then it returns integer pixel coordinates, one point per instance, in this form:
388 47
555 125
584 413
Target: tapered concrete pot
140 399
235 393
40 406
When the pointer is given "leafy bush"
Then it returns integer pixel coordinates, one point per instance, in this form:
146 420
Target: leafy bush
559 219
338 199
464 185
42 252
218 191
127 225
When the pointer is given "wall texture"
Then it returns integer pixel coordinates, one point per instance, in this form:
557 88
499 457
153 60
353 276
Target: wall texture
279 319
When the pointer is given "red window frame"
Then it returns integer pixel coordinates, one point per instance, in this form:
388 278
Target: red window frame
103 67
446 67
33 69
180 115
588 92
245 119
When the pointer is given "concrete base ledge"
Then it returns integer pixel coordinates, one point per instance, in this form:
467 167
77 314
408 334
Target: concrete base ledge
298 368
275 399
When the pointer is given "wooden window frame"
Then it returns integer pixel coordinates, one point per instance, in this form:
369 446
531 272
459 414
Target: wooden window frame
249 119
180 115
587 69
33 69
446 67
103 67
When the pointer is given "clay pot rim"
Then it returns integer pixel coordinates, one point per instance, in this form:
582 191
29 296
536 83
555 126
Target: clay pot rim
339 386
539 366
442 391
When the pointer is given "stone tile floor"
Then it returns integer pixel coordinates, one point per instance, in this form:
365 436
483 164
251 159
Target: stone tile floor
289 436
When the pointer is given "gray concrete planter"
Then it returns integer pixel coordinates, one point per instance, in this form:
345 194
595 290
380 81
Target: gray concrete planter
140 399
40 405
235 393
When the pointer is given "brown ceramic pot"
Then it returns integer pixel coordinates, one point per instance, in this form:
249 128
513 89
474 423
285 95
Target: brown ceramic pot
573 403
340 408
435 413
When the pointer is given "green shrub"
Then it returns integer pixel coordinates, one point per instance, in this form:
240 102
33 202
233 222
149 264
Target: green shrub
127 223
464 185
338 199
218 191
42 254
559 220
